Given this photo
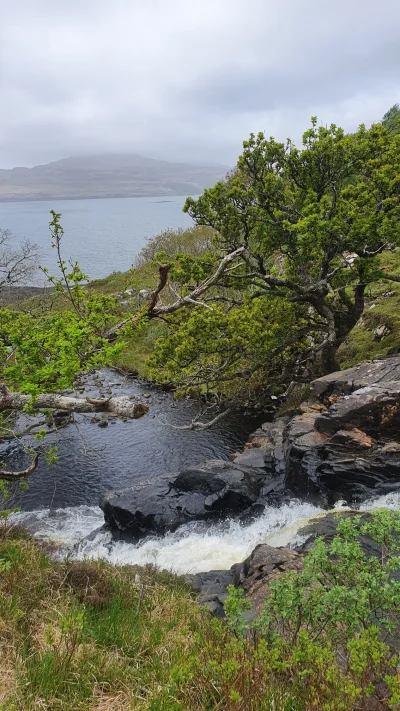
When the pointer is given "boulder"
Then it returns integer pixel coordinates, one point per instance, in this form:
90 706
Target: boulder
260 569
214 490
381 332
254 575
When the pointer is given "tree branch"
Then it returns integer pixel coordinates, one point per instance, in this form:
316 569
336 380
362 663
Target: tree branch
123 405
155 310
11 475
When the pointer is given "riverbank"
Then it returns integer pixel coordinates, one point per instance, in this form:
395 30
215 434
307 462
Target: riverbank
89 636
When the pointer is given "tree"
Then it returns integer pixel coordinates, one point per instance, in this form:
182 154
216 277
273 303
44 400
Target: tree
310 222
17 264
42 352
391 119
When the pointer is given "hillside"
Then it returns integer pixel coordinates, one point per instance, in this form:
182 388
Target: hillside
103 176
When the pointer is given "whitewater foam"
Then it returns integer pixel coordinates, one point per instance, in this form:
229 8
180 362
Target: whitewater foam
79 533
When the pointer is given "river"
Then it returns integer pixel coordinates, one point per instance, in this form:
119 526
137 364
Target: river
61 502
60 505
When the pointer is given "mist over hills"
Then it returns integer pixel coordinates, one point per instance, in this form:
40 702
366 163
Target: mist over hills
104 176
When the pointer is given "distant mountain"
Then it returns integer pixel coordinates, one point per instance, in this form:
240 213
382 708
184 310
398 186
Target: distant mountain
105 176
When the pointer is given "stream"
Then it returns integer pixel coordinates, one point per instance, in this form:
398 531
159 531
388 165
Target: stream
60 505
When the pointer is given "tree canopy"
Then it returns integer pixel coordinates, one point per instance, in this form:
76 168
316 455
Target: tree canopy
311 221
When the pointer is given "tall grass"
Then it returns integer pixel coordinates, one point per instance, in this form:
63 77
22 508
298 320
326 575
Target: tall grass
87 636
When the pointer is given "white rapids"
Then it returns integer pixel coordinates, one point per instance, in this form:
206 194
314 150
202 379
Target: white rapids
78 533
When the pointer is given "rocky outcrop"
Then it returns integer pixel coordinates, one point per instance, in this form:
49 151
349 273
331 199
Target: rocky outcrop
349 444
213 490
344 444
254 575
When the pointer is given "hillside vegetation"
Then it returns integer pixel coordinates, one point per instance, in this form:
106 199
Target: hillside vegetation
88 636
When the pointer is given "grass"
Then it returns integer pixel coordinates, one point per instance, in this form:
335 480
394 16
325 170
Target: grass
88 636
382 309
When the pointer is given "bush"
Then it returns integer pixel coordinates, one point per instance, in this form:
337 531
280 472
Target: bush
334 625
91 637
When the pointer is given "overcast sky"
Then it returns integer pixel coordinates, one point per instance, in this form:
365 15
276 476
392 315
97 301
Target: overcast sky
188 79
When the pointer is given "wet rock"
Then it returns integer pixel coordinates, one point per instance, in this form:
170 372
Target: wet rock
350 443
213 490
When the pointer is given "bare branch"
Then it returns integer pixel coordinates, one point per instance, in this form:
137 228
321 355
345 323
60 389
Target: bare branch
12 475
192 298
123 405
194 425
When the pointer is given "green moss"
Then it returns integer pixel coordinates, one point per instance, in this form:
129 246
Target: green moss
380 310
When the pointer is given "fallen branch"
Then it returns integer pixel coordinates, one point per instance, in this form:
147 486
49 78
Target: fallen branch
124 405
11 475
194 425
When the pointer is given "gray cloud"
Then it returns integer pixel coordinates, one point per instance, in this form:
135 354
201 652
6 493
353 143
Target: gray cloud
188 79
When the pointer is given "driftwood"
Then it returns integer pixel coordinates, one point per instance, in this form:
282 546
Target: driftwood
124 406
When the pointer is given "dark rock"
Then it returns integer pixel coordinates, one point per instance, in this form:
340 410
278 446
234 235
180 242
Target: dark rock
213 490
211 589
352 444
265 449
326 526
254 575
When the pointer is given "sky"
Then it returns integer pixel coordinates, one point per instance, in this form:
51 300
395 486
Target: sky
188 80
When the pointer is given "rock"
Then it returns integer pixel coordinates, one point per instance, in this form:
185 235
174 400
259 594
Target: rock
211 589
381 332
254 575
264 450
144 294
326 526
353 436
351 443
257 572
213 490
344 382
374 409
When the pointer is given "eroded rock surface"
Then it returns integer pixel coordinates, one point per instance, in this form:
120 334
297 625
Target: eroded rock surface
350 444
213 490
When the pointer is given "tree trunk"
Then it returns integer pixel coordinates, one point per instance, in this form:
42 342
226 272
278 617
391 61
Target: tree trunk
329 362
124 406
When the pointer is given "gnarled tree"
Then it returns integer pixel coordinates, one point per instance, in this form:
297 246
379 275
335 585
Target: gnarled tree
311 222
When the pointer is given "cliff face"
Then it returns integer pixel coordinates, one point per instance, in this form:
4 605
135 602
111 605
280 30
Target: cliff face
107 176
